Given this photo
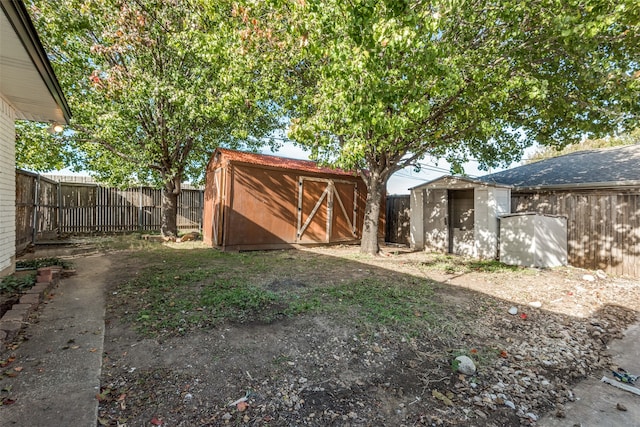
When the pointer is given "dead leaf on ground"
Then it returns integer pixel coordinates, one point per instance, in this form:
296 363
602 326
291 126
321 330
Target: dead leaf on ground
103 396
7 361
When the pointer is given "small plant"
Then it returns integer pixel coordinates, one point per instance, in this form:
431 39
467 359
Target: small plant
43 262
13 284
453 264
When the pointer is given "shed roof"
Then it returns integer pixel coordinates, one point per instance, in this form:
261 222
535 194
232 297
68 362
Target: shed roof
451 182
616 166
278 162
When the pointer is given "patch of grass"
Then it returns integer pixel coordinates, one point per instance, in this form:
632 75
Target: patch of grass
381 301
183 290
235 299
375 303
457 264
133 242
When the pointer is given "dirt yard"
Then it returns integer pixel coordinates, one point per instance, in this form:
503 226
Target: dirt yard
329 367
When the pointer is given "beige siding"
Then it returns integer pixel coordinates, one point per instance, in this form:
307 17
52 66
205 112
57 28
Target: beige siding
7 188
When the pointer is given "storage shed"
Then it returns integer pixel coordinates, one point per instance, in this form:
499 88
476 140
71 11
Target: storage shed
257 201
530 239
458 215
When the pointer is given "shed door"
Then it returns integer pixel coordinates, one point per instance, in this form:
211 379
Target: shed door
461 221
435 211
218 194
327 210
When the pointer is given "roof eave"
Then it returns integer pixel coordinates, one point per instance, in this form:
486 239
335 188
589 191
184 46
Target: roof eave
617 185
18 16
461 178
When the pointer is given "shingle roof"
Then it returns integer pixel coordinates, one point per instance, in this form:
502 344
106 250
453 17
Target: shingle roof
618 165
279 162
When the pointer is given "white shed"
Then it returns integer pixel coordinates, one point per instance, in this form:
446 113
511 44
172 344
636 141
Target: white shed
530 239
458 215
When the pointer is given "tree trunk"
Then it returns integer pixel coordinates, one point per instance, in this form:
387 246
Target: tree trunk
169 223
375 190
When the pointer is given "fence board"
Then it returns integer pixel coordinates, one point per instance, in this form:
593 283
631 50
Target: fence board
603 227
397 221
45 209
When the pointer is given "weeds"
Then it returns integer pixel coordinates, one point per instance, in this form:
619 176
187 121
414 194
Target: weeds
34 264
13 284
183 290
456 264
383 302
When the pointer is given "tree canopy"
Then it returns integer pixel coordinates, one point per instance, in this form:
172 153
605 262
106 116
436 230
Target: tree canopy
154 86
380 84
588 144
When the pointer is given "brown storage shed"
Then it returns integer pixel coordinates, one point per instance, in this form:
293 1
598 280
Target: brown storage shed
257 201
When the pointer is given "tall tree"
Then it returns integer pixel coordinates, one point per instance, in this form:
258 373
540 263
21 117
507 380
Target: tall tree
154 85
375 85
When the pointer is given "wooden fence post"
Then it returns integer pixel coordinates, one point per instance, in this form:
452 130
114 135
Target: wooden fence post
140 211
59 216
36 204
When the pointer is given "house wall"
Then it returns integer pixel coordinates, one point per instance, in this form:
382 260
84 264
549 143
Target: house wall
7 189
603 226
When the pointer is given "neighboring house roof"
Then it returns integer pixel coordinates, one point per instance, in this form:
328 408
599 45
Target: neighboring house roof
278 162
610 167
27 80
456 182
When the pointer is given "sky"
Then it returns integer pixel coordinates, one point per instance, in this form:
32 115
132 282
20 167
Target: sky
399 183
403 180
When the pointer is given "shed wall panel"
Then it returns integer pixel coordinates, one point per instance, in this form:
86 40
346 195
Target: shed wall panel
436 212
261 205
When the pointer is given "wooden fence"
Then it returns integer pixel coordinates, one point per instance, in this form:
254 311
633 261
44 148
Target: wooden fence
603 227
397 225
46 209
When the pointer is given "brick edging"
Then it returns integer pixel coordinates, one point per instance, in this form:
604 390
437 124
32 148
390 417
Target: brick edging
15 319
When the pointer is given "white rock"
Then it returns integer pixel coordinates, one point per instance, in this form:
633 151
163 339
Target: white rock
513 310
535 304
601 274
466 365
531 416
510 404
588 278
